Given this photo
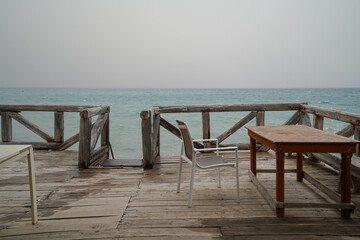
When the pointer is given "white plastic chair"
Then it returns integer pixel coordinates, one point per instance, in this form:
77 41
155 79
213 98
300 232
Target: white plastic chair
189 154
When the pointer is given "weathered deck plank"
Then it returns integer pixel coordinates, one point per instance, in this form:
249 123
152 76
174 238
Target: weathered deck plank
133 203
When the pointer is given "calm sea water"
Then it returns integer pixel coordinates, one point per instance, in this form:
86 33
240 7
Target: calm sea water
126 105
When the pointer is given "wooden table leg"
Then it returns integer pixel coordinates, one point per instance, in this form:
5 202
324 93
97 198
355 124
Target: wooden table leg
345 178
32 186
253 155
280 196
299 167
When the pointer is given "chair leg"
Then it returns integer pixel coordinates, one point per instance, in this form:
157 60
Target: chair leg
237 175
179 175
219 178
191 184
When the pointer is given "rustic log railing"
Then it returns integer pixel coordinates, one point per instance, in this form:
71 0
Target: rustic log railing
152 120
87 136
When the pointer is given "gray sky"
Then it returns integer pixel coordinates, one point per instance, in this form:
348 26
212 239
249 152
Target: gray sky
187 43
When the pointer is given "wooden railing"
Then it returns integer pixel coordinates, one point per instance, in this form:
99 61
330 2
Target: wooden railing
87 136
152 120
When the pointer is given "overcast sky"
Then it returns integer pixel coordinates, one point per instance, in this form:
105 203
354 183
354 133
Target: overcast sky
184 43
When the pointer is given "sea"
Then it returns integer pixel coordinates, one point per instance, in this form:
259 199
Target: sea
126 105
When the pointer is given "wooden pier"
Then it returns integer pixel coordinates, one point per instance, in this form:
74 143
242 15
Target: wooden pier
133 203
153 119
87 137
93 202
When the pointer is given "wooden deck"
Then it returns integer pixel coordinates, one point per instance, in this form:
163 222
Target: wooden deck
106 203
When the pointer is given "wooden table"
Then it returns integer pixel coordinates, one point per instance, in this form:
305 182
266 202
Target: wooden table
10 153
302 139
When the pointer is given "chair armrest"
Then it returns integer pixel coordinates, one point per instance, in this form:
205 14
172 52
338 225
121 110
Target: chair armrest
206 140
212 149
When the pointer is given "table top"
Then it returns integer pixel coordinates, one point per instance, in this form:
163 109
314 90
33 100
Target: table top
8 151
299 135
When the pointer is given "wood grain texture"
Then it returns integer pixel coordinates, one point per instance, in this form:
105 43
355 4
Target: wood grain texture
6 127
31 126
133 203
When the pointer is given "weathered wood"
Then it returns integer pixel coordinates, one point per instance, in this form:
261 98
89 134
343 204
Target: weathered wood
59 126
158 141
84 142
318 205
131 203
99 153
299 167
36 145
46 108
206 125
230 108
348 131
68 143
155 153
240 146
105 134
156 133
263 170
96 130
305 119
146 139
332 114
171 128
330 193
94 111
333 160
318 122
6 127
236 127
56 142
31 126
174 130
357 137
294 119
263 191
260 118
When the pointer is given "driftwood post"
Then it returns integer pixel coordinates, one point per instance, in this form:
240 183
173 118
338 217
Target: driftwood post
156 136
206 127
105 134
84 140
318 122
305 119
6 127
146 139
59 127
260 118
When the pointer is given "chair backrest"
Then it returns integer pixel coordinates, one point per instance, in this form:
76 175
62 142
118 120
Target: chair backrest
187 140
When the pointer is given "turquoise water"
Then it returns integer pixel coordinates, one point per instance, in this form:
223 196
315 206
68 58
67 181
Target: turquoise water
126 105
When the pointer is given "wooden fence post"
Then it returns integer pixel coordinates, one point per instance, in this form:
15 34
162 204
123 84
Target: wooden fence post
59 127
84 140
305 119
260 118
146 139
6 127
318 122
156 135
206 128
105 135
